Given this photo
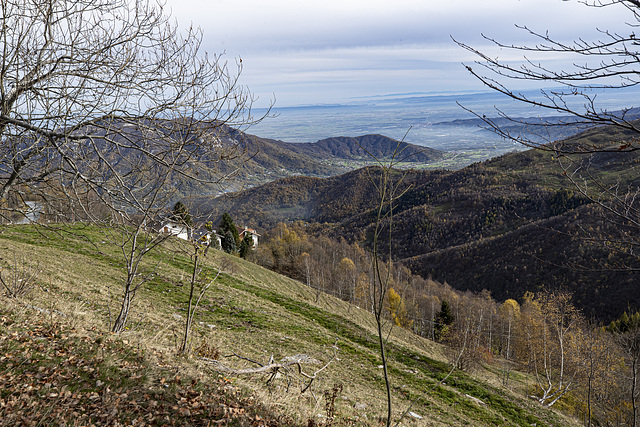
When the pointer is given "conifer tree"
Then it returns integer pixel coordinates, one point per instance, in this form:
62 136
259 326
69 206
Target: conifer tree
444 318
229 243
226 224
181 214
245 245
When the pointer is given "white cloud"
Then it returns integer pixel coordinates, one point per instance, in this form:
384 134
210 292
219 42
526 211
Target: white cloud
337 48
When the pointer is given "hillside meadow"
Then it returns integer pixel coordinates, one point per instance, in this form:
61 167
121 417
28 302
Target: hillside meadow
60 365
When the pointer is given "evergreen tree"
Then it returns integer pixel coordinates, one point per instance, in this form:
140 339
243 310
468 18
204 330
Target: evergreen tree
229 242
246 245
180 214
226 224
444 318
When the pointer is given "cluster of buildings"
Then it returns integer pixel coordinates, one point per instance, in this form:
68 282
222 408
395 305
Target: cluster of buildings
203 236
35 210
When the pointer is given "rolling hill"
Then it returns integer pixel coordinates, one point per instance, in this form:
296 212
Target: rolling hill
509 225
327 200
365 147
266 159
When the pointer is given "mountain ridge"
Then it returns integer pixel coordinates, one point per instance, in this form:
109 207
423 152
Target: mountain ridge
368 147
445 215
268 159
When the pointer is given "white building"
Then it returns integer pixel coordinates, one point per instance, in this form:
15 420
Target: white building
174 229
254 235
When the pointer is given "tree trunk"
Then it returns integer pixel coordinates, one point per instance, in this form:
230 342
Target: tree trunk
589 401
187 328
121 320
384 365
634 391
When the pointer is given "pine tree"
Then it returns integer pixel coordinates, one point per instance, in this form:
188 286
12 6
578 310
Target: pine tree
226 224
229 242
444 318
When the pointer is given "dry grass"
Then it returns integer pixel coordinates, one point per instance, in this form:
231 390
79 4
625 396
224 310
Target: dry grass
254 313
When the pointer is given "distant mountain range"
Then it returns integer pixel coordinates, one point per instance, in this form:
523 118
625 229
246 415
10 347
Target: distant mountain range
539 129
508 225
268 159
366 148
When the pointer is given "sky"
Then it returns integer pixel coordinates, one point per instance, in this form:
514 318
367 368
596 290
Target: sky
338 51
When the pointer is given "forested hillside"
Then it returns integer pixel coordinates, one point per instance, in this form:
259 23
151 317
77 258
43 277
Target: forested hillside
509 225
367 146
60 364
328 200
265 160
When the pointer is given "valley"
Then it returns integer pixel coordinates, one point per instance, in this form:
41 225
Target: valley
509 225
476 257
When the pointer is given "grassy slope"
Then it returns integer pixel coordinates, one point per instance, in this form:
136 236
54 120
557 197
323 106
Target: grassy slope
250 311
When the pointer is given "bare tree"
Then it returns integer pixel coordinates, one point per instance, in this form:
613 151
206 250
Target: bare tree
551 344
388 183
203 283
108 115
609 63
85 84
134 229
134 242
509 313
626 332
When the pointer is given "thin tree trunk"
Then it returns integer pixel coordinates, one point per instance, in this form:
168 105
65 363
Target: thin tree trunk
509 340
589 400
384 367
121 320
634 385
187 328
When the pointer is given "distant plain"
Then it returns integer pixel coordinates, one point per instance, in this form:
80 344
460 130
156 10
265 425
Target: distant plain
436 121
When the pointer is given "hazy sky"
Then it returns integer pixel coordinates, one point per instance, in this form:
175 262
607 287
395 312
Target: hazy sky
333 51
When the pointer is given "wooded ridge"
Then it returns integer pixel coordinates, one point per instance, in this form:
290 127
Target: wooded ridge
508 225
269 159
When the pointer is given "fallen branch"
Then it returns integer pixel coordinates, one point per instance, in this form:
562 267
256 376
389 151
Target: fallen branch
272 368
219 367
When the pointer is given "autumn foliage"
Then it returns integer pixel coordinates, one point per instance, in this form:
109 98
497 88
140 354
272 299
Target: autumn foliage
543 333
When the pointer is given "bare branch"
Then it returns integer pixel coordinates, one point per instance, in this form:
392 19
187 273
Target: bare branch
273 367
